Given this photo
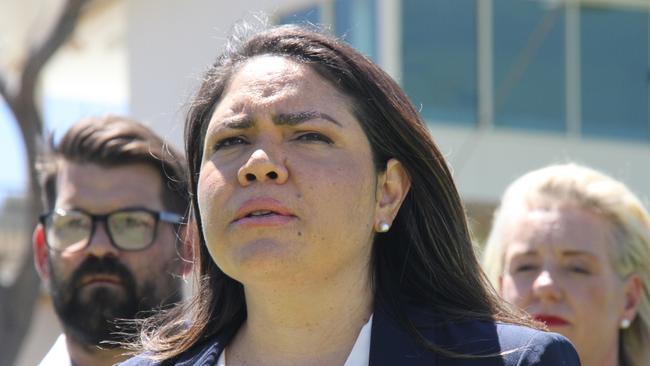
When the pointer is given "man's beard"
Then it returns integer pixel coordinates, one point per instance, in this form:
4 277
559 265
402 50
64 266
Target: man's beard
94 317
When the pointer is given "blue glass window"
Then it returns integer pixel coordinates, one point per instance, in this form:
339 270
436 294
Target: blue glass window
356 22
614 61
529 71
439 58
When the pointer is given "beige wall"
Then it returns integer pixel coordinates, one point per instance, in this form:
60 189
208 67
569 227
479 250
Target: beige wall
170 44
43 332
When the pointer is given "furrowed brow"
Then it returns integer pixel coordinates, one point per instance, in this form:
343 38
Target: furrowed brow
292 119
238 123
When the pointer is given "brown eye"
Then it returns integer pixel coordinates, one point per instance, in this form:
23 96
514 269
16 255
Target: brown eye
315 137
229 141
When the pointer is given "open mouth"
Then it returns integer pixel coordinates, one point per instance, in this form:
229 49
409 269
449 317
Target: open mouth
262 213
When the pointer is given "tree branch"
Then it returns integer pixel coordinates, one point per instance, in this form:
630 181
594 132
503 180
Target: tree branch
3 90
17 300
38 56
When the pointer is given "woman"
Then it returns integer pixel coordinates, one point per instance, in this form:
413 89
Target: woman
572 247
331 229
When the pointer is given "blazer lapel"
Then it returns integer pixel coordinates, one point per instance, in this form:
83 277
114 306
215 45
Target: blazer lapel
390 345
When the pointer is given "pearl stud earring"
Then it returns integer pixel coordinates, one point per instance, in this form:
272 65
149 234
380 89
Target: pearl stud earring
625 323
383 227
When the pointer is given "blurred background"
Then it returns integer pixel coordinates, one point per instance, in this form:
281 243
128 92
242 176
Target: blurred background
505 86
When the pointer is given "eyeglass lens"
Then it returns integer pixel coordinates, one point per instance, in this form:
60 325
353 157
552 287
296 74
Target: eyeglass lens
132 229
129 230
69 231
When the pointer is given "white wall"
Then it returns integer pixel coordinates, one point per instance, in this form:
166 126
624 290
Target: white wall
171 43
42 333
485 162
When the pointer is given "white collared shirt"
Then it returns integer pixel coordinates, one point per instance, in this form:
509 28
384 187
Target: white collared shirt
359 356
57 355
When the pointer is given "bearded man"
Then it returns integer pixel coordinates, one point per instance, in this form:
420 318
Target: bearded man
110 245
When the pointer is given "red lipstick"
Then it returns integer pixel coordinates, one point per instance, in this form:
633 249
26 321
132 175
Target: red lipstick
551 320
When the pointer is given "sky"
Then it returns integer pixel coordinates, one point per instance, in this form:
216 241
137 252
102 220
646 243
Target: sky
13 174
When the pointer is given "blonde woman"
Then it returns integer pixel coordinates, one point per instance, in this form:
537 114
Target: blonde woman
571 246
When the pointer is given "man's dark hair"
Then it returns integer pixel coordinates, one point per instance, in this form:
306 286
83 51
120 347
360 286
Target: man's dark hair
114 141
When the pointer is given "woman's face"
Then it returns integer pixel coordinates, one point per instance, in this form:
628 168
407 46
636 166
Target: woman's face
557 268
287 186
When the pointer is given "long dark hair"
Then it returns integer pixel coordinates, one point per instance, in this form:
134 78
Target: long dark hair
426 259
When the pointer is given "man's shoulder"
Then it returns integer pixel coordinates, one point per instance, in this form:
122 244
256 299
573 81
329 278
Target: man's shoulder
140 360
203 353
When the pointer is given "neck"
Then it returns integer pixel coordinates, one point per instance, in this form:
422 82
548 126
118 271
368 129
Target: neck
315 324
607 358
82 355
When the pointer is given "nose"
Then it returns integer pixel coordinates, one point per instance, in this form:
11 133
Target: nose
100 243
546 287
262 167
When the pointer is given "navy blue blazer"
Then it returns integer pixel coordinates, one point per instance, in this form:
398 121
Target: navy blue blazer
514 345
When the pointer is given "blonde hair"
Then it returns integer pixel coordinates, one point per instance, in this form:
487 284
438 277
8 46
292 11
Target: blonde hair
578 186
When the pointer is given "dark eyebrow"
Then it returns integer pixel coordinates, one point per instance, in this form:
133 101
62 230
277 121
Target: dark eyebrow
287 119
292 119
238 123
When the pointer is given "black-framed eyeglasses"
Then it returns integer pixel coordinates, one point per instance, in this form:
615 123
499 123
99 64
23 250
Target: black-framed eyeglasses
128 229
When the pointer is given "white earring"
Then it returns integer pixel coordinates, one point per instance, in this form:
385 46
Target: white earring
625 323
383 227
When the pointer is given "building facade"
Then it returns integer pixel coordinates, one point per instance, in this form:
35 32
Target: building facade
505 86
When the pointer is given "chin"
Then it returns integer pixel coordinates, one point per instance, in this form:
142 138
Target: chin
88 294
265 258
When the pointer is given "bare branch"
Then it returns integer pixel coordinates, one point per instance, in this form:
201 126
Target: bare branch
17 300
63 28
3 90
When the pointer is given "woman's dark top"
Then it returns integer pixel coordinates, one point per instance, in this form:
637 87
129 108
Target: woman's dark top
514 345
